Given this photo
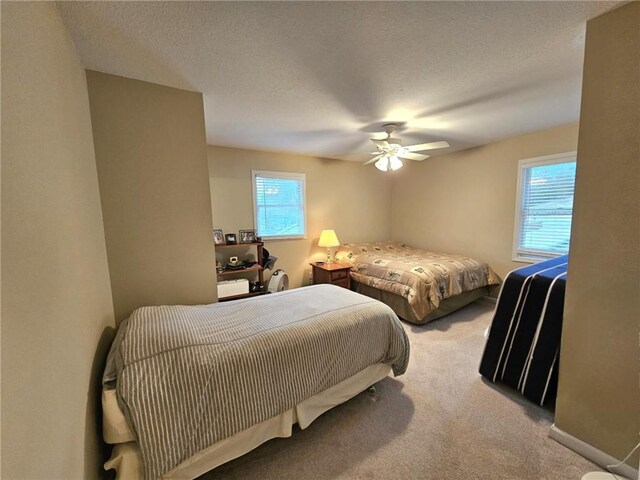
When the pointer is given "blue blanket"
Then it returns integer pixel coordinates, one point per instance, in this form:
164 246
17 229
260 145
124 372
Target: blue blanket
523 344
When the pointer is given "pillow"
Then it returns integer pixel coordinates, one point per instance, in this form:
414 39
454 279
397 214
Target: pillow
348 252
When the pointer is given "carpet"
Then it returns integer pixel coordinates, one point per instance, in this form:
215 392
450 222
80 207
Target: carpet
441 420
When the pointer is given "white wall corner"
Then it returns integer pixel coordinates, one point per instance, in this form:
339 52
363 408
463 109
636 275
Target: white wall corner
591 453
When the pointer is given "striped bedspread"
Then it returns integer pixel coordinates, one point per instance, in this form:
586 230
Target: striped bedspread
188 377
523 345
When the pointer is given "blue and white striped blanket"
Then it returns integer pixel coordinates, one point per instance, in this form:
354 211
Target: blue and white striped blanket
523 345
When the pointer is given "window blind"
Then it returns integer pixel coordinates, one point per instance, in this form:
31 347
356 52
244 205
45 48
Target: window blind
279 204
546 207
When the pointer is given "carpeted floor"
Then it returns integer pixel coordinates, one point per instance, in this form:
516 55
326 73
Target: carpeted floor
440 420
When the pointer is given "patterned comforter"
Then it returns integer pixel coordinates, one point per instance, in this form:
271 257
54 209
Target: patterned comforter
423 278
188 377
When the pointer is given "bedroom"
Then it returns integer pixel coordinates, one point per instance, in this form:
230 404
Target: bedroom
60 292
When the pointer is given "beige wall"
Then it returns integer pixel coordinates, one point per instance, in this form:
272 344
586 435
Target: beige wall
57 316
465 202
598 397
344 196
152 167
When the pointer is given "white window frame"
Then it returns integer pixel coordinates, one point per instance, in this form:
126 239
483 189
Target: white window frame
280 175
534 256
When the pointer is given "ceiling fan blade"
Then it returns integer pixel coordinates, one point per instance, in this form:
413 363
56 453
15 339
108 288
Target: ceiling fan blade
413 156
374 159
426 146
380 143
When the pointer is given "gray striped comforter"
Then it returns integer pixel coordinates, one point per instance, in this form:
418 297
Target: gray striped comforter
188 377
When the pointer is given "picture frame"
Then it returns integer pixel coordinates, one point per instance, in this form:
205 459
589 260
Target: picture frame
218 236
231 238
247 236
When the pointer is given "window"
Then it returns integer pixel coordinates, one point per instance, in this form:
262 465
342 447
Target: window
544 207
279 205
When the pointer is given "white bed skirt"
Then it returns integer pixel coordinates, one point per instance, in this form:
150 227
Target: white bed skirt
126 458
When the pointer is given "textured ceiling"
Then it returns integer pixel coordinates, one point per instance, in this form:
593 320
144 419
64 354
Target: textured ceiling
320 77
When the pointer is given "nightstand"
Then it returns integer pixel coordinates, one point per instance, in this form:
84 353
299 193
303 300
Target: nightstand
333 273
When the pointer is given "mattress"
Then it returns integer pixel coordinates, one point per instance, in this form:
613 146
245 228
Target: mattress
402 308
126 457
523 344
423 280
187 378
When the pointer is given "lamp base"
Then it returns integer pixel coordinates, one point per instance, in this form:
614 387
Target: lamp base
330 259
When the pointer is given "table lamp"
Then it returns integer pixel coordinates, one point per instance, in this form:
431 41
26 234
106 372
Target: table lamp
328 239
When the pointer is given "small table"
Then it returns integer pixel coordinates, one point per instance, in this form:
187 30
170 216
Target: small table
333 273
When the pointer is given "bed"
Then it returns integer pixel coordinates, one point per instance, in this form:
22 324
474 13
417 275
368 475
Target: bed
187 388
523 345
420 286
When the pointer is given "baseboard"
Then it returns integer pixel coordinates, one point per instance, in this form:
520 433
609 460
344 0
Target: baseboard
591 453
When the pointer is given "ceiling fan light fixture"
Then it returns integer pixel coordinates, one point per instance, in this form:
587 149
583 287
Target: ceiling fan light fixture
383 164
388 163
395 163
391 153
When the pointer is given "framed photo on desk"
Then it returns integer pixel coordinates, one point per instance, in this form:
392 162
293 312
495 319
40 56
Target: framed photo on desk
218 236
247 236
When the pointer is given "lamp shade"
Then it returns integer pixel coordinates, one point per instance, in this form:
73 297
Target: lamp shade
388 162
328 238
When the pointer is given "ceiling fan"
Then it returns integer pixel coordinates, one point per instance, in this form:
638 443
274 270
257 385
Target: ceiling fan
390 151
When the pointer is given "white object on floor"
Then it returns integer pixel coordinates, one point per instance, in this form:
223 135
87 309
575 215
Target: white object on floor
592 453
278 281
228 288
602 476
